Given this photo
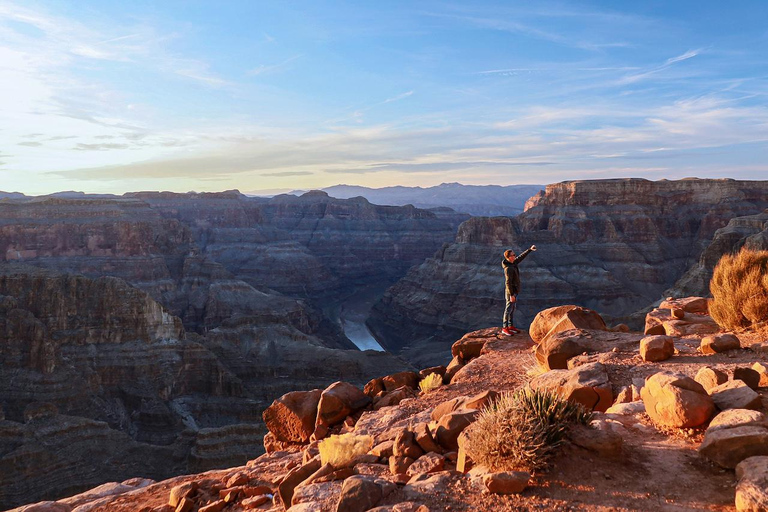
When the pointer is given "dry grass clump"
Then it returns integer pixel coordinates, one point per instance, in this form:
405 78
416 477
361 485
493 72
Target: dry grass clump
339 451
739 287
522 430
430 382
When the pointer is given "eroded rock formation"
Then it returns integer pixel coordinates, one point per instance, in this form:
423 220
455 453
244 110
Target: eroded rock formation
613 246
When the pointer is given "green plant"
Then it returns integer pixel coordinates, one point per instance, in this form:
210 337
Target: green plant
739 289
430 382
339 451
522 430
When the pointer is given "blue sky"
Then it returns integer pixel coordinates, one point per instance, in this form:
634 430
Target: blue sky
113 96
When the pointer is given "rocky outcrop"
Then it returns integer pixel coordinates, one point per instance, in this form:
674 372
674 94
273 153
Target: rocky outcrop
613 246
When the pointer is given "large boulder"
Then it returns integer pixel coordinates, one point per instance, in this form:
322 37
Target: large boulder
469 346
735 435
451 425
666 321
358 494
338 401
734 394
752 486
674 400
698 305
400 379
657 348
587 385
291 418
710 377
562 318
718 343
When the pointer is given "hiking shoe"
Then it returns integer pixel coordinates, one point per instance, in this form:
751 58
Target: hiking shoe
507 331
514 329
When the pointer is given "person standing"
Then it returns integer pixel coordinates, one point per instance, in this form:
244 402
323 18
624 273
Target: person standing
509 262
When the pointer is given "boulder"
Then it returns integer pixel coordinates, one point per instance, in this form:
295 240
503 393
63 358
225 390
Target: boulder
451 425
468 347
291 418
587 385
406 446
604 442
762 371
674 400
718 343
296 476
698 305
456 364
752 484
662 321
738 418
424 438
748 376
383 450
554 352
400 379
549 322
627 409
181 491
399 465
710 377
729 446
428 463
393 397
657 348
506 482
374 387
735 394
338 401
358 494
440 370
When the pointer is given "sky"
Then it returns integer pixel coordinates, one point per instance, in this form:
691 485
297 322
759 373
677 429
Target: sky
112 96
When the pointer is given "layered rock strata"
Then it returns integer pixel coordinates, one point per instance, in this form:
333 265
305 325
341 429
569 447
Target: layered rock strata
610 245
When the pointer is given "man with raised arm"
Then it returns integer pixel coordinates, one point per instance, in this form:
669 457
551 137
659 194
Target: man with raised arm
512 287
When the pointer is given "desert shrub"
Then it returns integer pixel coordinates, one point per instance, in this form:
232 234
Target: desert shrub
339 451
430 382
739 288
522 430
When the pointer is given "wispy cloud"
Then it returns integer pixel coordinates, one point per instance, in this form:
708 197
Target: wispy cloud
273 68
636 77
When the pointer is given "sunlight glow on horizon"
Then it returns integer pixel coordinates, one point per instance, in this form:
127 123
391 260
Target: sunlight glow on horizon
108 97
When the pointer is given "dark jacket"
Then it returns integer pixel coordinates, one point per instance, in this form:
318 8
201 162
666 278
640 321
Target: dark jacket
512 273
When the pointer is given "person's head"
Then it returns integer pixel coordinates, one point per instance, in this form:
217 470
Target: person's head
509 255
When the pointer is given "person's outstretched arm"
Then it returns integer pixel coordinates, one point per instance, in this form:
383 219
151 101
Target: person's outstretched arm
523 255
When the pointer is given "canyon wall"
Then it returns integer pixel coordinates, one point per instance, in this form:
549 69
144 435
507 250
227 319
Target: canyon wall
144 335
611 245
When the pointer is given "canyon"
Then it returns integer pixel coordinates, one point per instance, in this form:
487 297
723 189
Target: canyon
614 246
145 334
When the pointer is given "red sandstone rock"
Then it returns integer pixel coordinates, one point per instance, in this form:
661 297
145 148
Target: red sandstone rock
656 348
291 418
551 321
587 385
338 401
674 400
398 380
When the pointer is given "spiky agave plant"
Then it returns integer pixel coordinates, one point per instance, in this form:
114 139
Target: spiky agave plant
522 430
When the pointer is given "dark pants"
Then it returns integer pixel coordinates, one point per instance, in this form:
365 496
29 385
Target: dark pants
509 310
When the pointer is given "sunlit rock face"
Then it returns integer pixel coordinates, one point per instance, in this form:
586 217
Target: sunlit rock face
613 246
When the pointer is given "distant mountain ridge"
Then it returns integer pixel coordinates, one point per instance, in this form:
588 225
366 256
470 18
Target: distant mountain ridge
477 200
